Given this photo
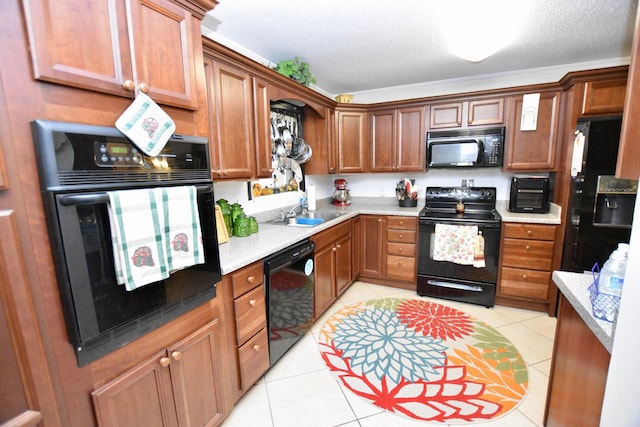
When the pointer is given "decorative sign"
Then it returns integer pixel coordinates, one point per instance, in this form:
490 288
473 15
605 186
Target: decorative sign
529 119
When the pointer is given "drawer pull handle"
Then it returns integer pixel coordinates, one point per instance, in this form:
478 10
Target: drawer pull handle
401 236
525 277
527 247
177 355
164 362
256 347
252 302
401 222
399 249
529 232
251 279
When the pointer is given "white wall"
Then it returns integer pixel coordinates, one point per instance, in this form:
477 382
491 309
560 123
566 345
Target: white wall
366 185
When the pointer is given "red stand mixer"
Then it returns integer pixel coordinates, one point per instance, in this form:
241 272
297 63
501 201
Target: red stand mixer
341 193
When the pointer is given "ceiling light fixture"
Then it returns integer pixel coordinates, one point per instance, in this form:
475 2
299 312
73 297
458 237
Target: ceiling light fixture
475 30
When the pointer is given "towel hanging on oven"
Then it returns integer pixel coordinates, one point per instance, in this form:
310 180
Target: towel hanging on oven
455 243
153 232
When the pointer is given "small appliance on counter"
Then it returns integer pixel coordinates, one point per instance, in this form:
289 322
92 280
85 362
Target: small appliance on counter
529 194
341 195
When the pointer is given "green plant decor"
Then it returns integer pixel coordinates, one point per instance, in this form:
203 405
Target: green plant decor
296 70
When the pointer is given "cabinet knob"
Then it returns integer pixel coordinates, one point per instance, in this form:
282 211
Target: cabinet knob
164 362
524 277
401 236
251 279
401 222
334 249
529 232
129 85
338 246
252 303
256 347
177 355
143 87
527 247
379 219
399 249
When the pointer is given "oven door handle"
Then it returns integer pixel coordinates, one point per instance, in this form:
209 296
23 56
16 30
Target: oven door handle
100 198
451 285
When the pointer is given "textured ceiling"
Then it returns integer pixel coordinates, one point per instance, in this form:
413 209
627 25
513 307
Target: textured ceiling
361 45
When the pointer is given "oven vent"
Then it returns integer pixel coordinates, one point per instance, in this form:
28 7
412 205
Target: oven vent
111 177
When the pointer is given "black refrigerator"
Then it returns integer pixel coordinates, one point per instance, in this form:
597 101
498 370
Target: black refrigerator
601 206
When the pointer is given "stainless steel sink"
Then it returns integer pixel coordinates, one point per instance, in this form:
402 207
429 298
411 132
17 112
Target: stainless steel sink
308 219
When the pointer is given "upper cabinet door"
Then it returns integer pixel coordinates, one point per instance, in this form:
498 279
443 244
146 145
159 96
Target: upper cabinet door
532 150
233 148
383 141
164 38
411 148
351 140
116 47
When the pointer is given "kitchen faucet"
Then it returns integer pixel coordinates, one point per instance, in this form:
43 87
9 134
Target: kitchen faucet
292 212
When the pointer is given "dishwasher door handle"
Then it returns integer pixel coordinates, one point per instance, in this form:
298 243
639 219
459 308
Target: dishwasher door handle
460 286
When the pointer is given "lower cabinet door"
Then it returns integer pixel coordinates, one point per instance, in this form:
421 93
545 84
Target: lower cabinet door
176 387
140 397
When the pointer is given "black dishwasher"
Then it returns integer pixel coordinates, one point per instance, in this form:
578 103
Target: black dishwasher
289 285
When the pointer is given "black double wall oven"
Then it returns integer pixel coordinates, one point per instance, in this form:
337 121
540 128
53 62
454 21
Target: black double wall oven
459 244
78 164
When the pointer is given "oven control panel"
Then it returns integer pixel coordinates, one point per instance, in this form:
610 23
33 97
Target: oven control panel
109 153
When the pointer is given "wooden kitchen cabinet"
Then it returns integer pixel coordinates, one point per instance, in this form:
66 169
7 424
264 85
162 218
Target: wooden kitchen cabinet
180 386
232 143
525 266
578 376
532 150
628 166
117 47
398 139
604 97
389 250
351 140
250 313
332 259
401 251
462 114
372 263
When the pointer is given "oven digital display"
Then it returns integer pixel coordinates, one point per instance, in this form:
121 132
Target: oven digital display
117 148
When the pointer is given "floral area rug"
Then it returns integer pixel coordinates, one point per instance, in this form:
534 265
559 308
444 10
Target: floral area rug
424 360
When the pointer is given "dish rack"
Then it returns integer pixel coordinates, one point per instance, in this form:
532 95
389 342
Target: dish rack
603 306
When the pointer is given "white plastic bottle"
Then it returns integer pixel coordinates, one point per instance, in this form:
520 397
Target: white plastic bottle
611 277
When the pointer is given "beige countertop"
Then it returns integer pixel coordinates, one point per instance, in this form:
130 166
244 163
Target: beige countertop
575 288
270 238
553 217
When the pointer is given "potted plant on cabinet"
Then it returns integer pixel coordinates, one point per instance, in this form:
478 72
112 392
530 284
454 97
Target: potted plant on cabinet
296 70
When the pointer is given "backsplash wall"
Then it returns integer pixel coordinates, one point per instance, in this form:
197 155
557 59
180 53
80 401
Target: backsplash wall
366 185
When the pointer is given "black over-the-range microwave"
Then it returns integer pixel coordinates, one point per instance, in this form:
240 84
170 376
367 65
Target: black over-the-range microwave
472 148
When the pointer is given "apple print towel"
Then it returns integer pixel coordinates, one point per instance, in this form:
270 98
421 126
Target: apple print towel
154 232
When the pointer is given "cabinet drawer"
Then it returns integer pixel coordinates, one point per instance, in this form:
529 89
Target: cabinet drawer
401 268
529 231
331 235
247 279
401 236
524 283
251 314
254 359
402 249
533 254
402 223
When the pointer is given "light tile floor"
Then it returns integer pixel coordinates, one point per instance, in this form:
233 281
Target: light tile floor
299 391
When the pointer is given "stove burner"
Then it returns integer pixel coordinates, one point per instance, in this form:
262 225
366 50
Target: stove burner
443 204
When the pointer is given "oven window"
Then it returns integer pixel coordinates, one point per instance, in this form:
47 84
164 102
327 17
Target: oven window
102 315
529 200
451 270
